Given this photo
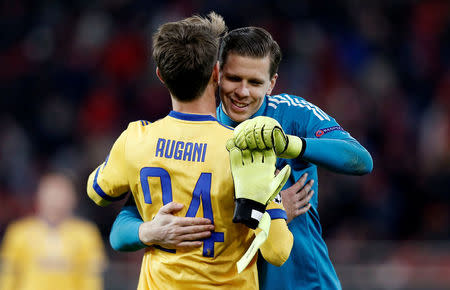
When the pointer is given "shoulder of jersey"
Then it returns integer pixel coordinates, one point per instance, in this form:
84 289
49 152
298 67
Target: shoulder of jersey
142 124
286 100
291 102
139 125
225 126
23 223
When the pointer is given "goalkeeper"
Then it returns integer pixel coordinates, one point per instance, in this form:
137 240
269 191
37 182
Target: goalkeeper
249 59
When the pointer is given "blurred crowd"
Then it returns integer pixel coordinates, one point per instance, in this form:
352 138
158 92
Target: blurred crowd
74 73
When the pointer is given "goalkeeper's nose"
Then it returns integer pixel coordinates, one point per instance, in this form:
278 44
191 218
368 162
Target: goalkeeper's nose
242 91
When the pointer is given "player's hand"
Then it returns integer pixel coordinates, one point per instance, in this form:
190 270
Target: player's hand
171 232
264 133
296 198
255 182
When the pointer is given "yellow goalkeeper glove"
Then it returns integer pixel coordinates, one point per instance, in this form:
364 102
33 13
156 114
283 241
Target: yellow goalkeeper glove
255 182
264 133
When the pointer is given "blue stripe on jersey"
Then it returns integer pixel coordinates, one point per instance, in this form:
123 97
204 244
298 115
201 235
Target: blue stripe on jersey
100 191
106 161
191 117
226 126
165 249
196 117
277 213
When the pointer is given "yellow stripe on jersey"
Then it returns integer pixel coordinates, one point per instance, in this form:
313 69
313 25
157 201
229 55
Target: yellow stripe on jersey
180 158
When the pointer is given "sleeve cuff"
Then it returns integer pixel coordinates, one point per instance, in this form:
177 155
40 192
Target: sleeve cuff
277 213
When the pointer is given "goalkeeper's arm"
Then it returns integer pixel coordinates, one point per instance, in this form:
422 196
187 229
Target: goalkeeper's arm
130 233
341 155
124 235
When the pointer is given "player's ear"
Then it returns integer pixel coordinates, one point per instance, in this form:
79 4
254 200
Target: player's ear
273 81
216 73
159 75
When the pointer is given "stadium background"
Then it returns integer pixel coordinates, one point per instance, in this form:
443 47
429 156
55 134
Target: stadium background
74 73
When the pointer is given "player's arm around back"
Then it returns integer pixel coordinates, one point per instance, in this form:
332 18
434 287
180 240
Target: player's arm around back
130 233
277 248
319 141
327 144
345 156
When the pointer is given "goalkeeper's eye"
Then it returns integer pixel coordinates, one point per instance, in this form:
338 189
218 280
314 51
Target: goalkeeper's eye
233 78
256 83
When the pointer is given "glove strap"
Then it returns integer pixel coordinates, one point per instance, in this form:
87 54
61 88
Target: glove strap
295 147
248 212
303 147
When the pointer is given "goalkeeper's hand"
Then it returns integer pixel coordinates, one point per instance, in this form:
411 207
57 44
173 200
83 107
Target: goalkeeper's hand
255 182
264 133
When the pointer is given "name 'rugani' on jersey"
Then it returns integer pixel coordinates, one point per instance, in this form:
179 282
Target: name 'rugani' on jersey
179 150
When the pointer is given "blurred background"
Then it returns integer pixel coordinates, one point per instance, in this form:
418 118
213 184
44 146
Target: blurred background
74 73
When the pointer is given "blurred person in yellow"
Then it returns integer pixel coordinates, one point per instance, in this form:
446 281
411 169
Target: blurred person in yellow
178 171
52 249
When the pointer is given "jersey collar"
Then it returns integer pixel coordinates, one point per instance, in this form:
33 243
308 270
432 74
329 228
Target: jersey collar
223 117
191 117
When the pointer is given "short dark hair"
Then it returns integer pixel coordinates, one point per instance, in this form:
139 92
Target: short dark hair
251 42
186 51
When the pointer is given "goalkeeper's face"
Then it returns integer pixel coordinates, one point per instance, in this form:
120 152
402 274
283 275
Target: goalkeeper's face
244 81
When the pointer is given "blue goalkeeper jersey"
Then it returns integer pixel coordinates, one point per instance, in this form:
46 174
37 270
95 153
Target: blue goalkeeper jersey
309 266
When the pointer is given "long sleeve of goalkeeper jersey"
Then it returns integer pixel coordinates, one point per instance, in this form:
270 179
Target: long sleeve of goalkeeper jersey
327 143
339 155
124 234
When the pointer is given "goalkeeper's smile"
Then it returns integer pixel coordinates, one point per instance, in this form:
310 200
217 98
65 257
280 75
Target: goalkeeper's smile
244 82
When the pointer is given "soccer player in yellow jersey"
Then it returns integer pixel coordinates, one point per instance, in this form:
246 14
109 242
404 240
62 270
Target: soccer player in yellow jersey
180 165
52 250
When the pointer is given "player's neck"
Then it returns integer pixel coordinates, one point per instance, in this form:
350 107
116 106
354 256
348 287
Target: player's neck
53 221
205 104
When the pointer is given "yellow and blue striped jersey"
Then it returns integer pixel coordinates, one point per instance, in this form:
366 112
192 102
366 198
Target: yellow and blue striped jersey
181 158
38 256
